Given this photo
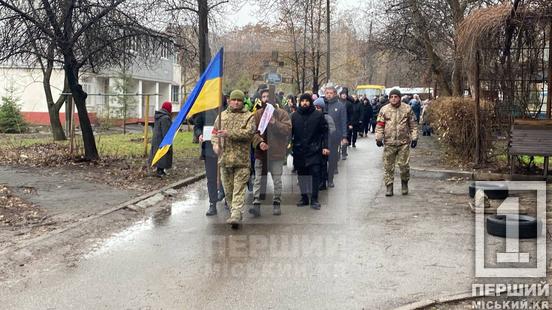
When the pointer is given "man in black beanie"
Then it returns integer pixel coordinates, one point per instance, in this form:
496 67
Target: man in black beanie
397 128
309 136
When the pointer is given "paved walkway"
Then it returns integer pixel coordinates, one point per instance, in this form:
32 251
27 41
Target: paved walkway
361 251
63 196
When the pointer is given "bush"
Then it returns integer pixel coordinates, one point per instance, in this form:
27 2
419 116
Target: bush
453 119
11 120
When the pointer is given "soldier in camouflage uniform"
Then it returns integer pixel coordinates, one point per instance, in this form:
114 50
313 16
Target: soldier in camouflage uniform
397 128
232 142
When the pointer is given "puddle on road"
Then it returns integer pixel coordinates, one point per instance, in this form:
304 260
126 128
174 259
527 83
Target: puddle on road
119 238
156 218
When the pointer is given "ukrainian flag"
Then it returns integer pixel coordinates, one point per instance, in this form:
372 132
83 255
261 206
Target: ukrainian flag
206 95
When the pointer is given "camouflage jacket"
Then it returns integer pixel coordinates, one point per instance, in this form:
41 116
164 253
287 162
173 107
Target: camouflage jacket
397 126
236 145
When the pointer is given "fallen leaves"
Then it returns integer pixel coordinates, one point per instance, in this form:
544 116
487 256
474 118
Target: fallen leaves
129 173
15 211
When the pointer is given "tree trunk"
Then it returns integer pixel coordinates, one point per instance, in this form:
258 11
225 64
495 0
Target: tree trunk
53 107
316 47
55 124
457 76
304 57
295 56
203 34
79 96
328 16
457 10
434 59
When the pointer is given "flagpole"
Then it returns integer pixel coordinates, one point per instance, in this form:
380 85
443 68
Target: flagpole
219 125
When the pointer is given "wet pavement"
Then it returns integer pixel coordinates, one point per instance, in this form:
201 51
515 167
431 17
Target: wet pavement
361 251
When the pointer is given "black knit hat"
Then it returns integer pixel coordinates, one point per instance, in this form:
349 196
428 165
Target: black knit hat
305 96
395 91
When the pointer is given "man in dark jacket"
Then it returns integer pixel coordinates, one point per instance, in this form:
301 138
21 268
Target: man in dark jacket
346 101
354 117
320 105
310 144
270 152
338 112
160 127
202 120
366 116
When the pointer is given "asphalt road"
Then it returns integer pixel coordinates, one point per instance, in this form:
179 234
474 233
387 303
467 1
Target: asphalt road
361 251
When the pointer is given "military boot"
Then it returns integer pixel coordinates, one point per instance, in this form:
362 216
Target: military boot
304 201
389 190
255 210
234 219
276 210
212 209
404 190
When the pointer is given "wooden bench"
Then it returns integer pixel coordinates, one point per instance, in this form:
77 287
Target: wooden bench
531 137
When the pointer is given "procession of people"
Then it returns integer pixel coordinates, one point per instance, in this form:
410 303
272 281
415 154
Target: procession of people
251 138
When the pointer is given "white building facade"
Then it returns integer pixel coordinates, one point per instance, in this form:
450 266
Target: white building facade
161 80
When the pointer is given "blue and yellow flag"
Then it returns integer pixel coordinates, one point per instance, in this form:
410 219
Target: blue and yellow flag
206 95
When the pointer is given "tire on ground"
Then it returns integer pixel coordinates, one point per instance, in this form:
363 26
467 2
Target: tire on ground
493 191
528 226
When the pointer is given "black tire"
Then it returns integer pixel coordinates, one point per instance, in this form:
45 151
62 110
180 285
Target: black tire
528 226
493 191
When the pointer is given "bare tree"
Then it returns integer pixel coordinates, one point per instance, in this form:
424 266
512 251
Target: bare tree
202 9
85 35
425 30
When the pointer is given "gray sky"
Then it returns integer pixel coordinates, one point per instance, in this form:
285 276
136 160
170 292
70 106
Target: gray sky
250 10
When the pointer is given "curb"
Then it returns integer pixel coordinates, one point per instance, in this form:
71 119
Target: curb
449 173
441 300
483 176
175 185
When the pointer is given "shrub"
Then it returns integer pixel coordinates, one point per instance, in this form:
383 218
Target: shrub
11 120
453 119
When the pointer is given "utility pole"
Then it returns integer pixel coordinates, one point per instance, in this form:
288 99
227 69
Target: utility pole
477 96
328 40
203 33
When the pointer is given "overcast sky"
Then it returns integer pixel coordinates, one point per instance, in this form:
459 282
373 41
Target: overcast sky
250 9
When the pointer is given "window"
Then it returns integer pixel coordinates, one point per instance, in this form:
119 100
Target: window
175 93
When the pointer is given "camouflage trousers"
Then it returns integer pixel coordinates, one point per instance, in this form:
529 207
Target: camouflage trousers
234 180
396 154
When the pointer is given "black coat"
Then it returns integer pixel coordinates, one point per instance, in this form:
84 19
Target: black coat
161 126
309 135
367 112
201 120
355 113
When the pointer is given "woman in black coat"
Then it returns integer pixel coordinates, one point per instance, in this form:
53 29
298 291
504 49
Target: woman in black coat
310 142
160 128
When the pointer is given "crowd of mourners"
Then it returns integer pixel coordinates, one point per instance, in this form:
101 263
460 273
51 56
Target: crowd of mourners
248 141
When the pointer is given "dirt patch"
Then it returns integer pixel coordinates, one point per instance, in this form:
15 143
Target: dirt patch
122 173
430 154
20 219
15 211
44 187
